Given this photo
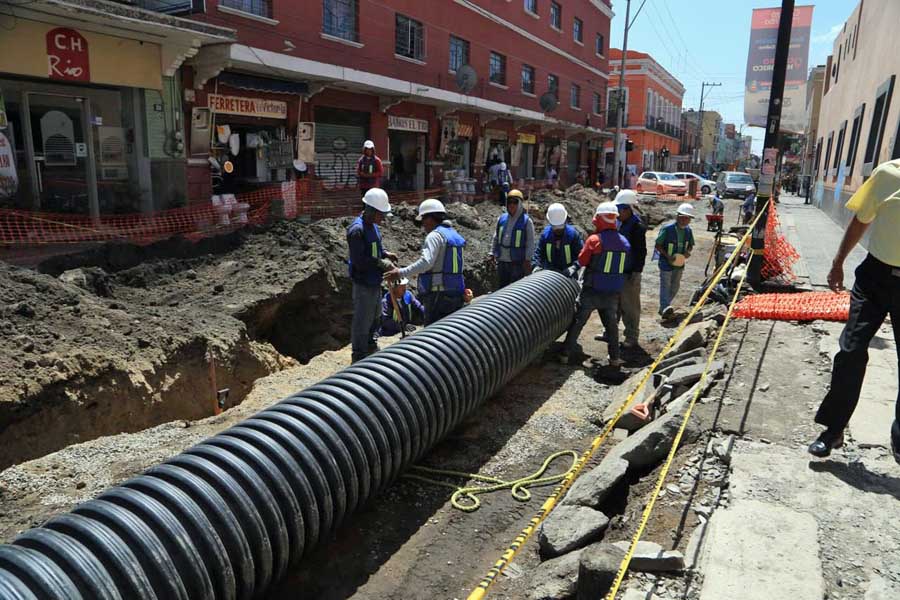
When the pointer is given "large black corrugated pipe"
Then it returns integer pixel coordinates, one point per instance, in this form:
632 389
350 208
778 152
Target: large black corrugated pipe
228 516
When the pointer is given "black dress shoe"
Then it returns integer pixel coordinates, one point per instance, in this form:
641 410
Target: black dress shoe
896 451
826 442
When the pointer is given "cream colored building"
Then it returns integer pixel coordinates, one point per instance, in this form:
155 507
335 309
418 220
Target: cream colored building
859 116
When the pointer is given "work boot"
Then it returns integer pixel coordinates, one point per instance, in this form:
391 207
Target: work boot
668 312
630 344
603 337
616 363
895 440
826 442
563 358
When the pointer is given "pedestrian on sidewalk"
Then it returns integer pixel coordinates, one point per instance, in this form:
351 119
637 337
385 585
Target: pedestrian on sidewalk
633 229
503 180
368 260
748 208
674 245
559 244
605 254
440 268
876 294
512 247
398 309
369 168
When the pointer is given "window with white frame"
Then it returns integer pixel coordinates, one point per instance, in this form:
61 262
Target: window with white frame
555 15
599 44
340 18
528 79
578 30
459 53
575 96
531 6
261 8
597 109
497 68
553 84
409 39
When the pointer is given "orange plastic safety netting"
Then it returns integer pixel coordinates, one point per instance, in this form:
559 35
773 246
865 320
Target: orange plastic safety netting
780 256
806 306
33 228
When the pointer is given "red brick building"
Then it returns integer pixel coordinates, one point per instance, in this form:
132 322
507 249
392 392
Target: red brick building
653 111
322 76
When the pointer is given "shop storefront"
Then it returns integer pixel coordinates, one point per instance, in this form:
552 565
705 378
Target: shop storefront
456 147
524 162
573 161
408 149
340 135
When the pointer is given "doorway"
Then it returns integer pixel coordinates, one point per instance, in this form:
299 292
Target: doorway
407 152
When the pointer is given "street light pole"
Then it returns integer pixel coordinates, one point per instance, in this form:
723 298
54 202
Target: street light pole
620 93
700 122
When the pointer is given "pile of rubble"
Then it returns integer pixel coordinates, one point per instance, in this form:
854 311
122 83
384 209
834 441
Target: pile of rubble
577 559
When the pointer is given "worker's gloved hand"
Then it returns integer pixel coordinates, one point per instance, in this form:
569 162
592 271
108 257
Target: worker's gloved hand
385 265
572 272
391 256
410 328
537 268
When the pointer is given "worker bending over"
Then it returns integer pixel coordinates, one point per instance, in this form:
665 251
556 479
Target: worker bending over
559 244
398 309
513 244
674 245
440 268
368 260
605 254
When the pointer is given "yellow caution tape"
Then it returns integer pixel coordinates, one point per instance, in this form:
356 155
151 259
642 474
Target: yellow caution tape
512 550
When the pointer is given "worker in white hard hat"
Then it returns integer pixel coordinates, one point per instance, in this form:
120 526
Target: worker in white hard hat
635 231
440 268
604 256
674 245
369 169
512 246
368 260
559 244
399 308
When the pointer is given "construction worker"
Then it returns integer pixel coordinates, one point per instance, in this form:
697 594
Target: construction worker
559 244
398 309
368 260
440 268
674 245
633 229
513 242
605 254
876 293
369 168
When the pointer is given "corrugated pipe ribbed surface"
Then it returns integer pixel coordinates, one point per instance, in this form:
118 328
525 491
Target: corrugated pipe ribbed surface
229 516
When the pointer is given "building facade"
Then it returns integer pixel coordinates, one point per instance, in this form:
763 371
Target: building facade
708 142
859 117
652 111
814 85
442 88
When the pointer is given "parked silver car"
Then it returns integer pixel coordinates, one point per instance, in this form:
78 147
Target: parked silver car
734 184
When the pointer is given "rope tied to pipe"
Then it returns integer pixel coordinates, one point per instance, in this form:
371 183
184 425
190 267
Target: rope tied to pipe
465 498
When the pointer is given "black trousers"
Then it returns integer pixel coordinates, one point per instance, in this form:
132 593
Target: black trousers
875 295
438 305
509 272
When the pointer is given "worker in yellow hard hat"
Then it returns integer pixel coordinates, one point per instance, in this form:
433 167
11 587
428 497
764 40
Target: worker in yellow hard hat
513 243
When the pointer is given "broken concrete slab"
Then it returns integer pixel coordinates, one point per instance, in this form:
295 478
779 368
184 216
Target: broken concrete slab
569 528
597 570
694 550
881 589
646 394
556 579
636 594
593 487
694 336
671 358
651 558
651 444
778 557
688 375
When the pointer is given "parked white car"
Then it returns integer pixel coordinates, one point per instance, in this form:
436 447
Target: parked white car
706 186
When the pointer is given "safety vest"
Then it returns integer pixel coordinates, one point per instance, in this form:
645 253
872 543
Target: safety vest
673 246
517 239
448 276
558 260
372 238
405 305
606 271
367 164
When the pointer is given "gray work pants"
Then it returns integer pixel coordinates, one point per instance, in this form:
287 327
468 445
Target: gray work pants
366 318
630 306
607 305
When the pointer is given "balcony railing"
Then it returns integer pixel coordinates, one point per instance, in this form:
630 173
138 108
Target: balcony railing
169 7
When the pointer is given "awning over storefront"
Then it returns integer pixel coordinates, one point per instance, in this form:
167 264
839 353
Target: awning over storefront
262 84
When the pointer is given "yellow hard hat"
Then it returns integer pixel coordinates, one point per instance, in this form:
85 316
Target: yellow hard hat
514 194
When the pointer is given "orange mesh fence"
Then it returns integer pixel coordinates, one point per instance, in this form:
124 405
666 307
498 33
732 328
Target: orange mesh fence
313 200
33 228
780 256
807 306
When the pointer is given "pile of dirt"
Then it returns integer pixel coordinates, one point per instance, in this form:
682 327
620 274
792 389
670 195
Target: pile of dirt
121 338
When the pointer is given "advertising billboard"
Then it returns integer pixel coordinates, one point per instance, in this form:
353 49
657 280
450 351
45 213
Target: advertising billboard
761 63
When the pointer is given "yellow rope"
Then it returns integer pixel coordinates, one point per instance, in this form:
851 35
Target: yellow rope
623 567
512 550
465 498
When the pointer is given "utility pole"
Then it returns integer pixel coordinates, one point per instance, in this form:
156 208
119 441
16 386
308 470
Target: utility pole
620 93
700 122
773 127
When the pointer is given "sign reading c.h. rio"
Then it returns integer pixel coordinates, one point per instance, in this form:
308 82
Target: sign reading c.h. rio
67 55
761 63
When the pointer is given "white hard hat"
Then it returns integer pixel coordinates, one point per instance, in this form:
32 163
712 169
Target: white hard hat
431 206
368 144
556 214
377 198
686 210
626 198
607 208
403 281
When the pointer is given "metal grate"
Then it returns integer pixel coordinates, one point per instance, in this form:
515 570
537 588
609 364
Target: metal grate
340 18
261 8
528 79
410 38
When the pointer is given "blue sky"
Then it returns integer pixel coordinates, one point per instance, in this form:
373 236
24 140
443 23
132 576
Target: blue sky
707 40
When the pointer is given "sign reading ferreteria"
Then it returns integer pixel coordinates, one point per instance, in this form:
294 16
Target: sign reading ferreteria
248 107
407 124
761 63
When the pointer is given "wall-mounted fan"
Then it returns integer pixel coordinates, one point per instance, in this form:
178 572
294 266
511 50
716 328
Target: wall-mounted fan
466 79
